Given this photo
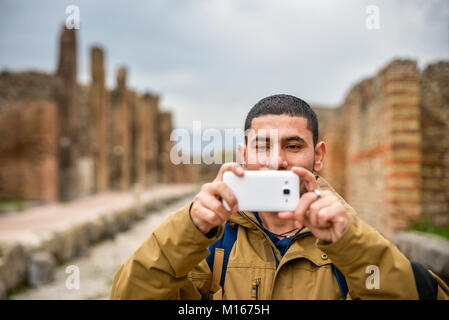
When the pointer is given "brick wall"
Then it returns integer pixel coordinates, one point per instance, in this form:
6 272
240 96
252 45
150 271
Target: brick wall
388 145
60 140
365 180
403 162
435 142
28 161
335 136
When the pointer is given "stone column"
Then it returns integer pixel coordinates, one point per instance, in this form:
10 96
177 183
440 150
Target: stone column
164 163
152 142
68 116
120 134
401 113
143 138
137 138
99 113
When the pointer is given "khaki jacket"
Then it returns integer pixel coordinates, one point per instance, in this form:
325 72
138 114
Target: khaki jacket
171 264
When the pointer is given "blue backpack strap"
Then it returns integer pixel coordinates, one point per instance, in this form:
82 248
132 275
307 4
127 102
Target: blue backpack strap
341 282
226 242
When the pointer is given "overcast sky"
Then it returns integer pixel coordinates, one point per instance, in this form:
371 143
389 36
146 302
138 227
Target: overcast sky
212 60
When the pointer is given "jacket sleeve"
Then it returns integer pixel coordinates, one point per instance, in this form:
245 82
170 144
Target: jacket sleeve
160 267
374 267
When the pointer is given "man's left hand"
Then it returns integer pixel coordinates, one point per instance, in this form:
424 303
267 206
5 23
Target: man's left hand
325 216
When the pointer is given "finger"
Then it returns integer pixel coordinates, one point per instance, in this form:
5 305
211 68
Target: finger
286 214
303 205
321 203
222 190
319 219
209 217
324 217
316 206
236 168
307 219
210 202
307 178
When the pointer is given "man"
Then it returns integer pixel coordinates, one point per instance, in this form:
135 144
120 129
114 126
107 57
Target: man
319 251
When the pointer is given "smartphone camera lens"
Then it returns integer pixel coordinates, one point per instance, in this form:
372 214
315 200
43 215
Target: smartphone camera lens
286 191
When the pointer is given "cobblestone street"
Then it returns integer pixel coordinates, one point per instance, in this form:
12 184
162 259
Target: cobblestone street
97 269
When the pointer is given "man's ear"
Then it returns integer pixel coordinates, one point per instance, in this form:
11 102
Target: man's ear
320 152
242 154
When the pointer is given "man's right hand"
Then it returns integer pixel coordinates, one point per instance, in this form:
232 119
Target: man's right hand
208 211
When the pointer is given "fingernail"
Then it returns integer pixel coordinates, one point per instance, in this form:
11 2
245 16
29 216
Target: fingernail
235 208
297 224
240 170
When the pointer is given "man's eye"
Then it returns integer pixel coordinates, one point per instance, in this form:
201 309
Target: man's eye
294 147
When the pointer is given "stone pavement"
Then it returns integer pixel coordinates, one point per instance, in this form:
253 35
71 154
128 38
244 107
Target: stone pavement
97 269
34 242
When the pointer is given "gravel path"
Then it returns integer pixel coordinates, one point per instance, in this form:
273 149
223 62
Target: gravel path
97 269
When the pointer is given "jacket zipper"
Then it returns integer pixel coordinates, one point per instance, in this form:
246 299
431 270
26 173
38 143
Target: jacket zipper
255 289
265 235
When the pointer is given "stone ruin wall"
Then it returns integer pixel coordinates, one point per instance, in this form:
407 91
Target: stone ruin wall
435 141
388 146
28 131
61 140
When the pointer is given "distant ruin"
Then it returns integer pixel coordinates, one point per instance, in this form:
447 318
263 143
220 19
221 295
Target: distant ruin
388 145
62 140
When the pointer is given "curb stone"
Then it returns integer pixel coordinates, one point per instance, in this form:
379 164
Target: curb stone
34 262
430 250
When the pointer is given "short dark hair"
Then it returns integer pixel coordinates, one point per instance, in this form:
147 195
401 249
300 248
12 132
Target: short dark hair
284 104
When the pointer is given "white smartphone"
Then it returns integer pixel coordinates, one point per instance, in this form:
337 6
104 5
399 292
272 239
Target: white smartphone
264 190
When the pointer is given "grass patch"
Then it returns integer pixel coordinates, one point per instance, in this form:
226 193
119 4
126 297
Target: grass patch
21 288
424 224
17 204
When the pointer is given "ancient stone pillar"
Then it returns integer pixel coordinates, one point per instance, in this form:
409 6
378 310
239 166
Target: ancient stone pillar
68 116
99 113
120 134
164 163
133 131
402 114
151 142
140 125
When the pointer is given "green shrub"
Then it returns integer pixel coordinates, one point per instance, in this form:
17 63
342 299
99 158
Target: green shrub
425 224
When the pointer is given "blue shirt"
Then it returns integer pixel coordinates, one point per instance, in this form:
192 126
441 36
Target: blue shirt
281 244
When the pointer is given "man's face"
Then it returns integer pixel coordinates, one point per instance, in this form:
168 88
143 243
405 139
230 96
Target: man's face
280 142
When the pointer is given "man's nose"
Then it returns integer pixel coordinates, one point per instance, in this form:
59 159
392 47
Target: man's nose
277 161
